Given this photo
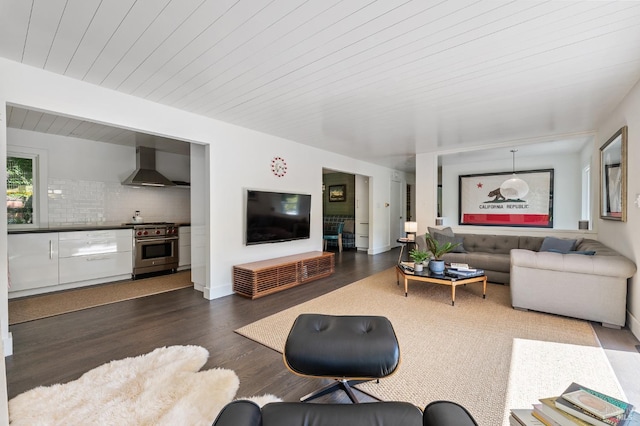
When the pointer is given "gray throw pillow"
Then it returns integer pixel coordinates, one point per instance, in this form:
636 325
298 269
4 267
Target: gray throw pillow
444 238
446 231
559 245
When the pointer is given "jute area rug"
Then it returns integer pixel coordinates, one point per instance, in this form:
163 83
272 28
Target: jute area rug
481 353
48 305
163 387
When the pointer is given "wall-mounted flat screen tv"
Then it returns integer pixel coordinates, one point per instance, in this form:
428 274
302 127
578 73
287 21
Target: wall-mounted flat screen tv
277 216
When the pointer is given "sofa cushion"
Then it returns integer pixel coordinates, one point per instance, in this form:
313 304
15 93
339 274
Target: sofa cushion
493 262
595 245
443 239
559 245
498 244
486 261
530 243
445 231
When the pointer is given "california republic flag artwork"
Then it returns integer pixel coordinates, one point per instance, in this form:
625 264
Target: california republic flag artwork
507 199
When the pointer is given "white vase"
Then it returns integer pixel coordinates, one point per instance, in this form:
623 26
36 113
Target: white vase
418 267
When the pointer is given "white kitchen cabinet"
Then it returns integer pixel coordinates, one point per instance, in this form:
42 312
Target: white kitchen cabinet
95 256
184 247
101 267
82 243
362 241
33 260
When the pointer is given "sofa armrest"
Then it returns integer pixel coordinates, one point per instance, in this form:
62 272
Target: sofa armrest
612 266
236 413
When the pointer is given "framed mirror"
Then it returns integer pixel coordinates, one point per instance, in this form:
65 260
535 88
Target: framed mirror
613 177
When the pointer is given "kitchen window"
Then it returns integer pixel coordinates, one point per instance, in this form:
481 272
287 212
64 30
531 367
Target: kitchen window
22 189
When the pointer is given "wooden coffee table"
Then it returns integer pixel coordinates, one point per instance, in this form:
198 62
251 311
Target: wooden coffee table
429 277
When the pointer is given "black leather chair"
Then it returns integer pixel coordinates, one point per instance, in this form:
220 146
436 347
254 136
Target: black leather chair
437 413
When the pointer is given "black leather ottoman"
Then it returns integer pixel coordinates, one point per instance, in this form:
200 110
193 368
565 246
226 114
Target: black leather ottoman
348 349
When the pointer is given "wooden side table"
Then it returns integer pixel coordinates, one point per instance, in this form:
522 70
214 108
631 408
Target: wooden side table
405 242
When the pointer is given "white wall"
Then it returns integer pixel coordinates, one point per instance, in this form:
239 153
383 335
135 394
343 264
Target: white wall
589 200
173 166
239 158
625 236
304 175
567 186
7 343
75 158
200 207
83 181
426 190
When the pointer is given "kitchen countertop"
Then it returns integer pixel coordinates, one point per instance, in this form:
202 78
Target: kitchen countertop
87 227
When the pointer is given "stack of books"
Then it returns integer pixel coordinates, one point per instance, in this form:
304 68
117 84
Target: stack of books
406 266
577 405
462 270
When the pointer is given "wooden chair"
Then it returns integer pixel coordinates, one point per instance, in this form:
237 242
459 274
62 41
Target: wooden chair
336 237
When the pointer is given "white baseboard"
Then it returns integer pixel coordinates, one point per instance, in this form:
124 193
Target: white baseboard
217 292
7 345
379 250
68 286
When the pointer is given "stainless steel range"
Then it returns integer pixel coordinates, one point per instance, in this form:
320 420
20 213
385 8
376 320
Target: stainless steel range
155 248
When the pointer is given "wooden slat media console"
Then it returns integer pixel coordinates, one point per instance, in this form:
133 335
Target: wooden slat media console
257 279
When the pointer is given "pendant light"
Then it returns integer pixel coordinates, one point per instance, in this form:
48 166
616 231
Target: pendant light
514 188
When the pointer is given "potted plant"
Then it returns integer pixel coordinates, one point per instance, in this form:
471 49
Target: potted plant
438 249
418 257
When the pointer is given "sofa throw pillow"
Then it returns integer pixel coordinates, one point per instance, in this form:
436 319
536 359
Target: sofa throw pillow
559 245
444 238
445 231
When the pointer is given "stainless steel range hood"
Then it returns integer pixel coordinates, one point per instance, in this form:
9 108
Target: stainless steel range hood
146 173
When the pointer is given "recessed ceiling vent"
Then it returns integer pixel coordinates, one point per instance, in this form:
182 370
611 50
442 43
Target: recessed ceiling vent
146 173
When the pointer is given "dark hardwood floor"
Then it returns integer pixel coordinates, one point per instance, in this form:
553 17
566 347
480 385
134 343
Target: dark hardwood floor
62 348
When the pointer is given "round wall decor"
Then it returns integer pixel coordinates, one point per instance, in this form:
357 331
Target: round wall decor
278 166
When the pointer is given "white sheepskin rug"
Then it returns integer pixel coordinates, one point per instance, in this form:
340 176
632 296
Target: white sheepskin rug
163 387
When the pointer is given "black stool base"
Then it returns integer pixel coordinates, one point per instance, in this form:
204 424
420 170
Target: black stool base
343 384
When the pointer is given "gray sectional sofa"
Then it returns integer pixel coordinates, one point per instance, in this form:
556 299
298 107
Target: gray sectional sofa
492 253
593 288
589 281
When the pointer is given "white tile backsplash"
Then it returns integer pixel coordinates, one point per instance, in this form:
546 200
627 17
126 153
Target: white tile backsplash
75 202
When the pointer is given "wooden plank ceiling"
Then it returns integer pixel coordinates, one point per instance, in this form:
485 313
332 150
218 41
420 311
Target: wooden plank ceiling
376 80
